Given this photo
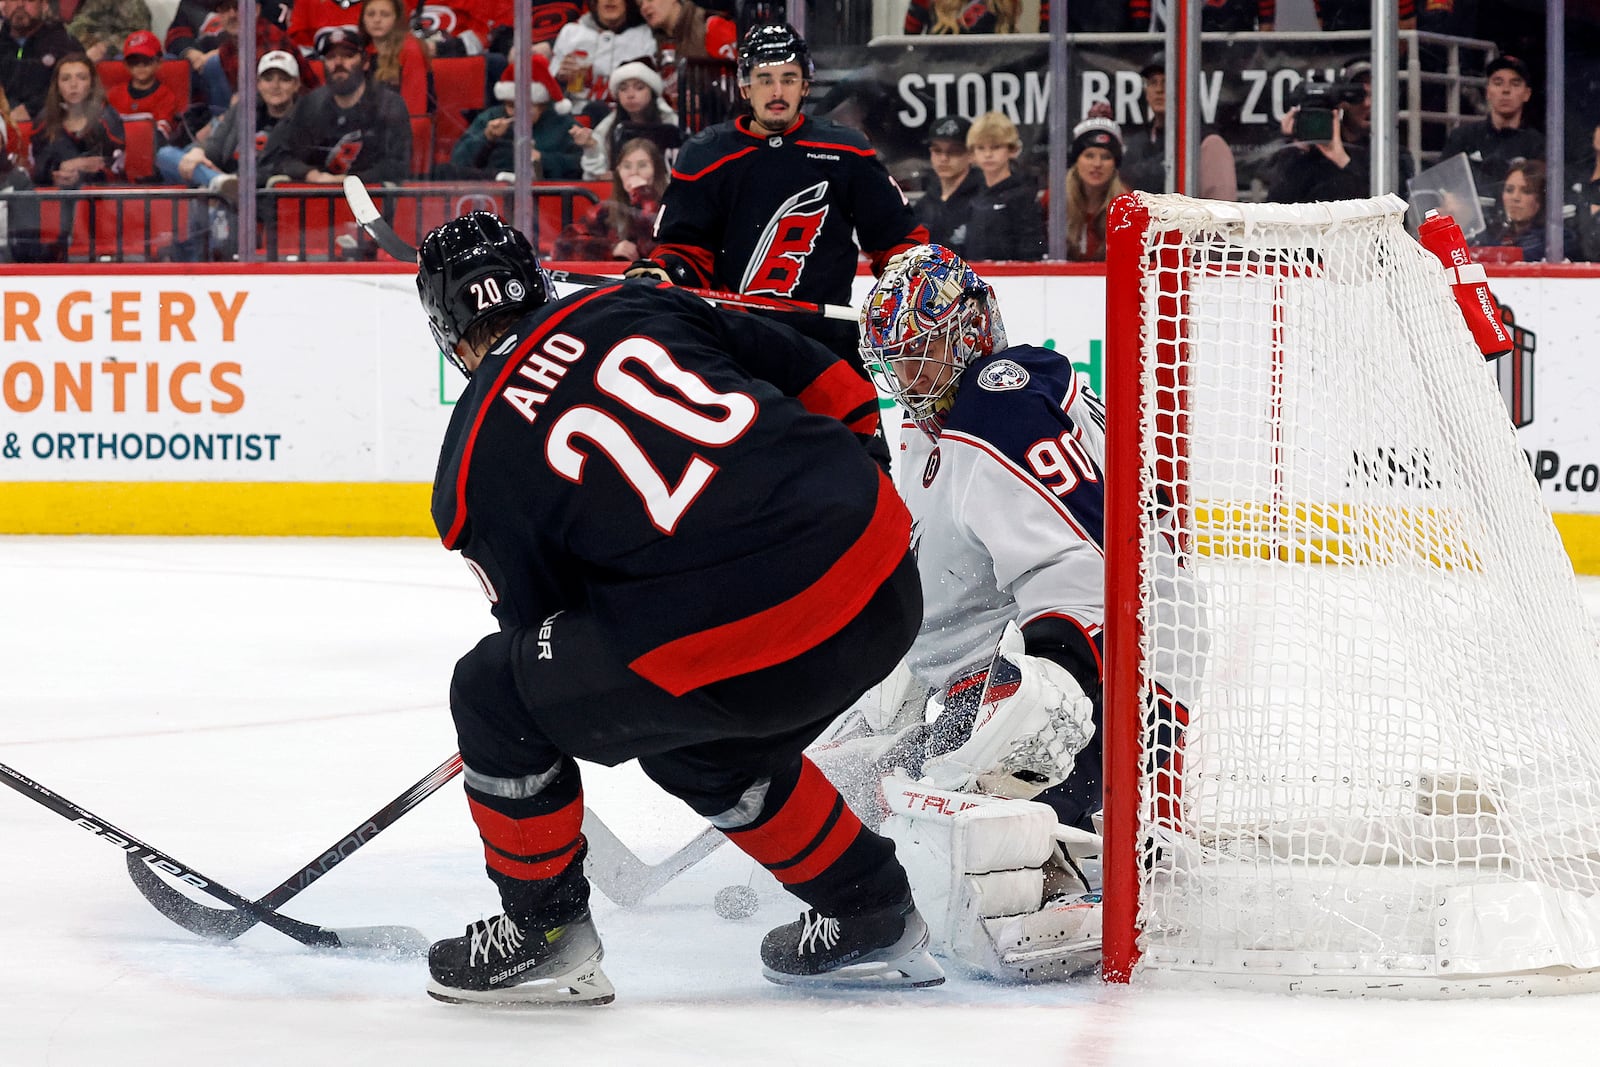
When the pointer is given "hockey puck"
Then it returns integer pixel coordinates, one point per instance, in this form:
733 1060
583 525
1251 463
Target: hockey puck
736 902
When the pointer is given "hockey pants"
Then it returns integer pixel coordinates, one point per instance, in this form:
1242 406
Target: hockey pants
526 701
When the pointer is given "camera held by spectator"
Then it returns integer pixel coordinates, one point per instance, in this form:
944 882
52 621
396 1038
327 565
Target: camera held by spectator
1317 103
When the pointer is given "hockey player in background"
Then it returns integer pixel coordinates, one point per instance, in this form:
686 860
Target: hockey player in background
1002 464
768 202
695 563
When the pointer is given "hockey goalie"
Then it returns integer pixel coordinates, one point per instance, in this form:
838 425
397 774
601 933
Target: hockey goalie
982 759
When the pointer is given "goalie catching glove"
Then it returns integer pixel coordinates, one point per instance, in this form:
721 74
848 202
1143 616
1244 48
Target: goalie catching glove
1012 729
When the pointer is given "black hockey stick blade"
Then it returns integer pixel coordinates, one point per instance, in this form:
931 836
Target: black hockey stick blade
222 924
745 301
395 940
370 219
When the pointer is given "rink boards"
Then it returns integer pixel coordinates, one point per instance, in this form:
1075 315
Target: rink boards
267 401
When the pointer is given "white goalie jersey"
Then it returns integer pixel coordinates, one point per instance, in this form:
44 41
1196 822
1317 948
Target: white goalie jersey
1007 508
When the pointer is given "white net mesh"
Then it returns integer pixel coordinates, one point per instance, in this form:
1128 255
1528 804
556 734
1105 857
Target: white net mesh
1389 769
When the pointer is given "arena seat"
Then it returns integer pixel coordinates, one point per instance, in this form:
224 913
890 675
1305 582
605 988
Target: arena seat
139 133
421 145
307 227
59 222
137 230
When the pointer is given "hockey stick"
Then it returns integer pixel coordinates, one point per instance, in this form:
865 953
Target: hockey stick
614 868
395 939
371 220
220 924
623 877
748 301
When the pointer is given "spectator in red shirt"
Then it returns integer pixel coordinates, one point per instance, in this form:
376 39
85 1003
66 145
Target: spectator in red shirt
961 16
402 62
144 92
309 16
450 28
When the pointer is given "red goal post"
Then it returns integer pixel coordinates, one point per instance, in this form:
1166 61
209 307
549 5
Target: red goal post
1352 692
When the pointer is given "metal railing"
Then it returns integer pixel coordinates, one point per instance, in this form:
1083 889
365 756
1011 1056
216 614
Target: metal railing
295 223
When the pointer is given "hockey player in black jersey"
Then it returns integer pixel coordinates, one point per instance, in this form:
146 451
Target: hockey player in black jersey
694 563
768 202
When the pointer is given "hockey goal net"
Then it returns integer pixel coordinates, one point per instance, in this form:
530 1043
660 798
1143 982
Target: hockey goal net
1353 697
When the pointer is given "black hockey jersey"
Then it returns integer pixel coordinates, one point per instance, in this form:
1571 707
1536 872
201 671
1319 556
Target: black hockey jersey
694 477
752 212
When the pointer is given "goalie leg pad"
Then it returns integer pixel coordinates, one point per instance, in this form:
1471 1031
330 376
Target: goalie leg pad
977 867
1058 941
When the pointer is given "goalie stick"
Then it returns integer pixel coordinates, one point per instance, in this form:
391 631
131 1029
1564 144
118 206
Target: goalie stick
395 939
371 220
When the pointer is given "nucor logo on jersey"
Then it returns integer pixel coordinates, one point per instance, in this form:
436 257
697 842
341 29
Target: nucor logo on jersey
164 866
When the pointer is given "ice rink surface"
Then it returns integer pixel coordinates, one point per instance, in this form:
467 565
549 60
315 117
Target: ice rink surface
242 703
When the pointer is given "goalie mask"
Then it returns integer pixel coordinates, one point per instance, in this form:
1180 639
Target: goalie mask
474 267
926 319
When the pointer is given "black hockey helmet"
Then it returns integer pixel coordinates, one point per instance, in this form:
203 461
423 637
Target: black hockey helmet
774 42
474 267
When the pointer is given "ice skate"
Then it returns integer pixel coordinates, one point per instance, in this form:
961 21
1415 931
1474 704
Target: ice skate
499 962
886 947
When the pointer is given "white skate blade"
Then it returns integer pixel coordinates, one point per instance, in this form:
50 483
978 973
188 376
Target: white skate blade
915 970
586 985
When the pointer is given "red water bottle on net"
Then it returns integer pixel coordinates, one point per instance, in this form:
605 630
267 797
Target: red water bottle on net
1440 235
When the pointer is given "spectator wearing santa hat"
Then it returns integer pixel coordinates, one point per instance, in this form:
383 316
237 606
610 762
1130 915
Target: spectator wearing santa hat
487 149
639 112
1006 222
1092 182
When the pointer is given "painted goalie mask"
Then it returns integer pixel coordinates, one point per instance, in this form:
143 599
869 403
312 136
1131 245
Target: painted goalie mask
927 318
